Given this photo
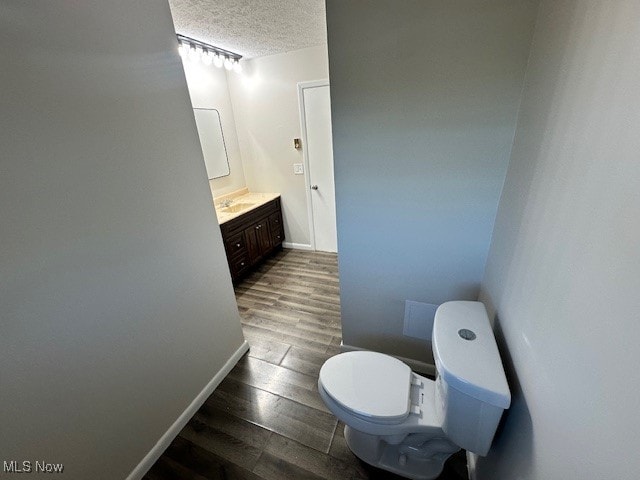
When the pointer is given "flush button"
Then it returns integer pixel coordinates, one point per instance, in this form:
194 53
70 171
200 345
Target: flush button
466 334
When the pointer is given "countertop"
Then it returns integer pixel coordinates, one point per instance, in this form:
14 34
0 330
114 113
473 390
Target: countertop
241 197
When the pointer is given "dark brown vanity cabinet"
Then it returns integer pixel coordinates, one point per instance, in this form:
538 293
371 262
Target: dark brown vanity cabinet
250 237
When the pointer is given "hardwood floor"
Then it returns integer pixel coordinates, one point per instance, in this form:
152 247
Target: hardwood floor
266 419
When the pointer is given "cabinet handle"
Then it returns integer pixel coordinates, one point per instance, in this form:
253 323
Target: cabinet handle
278 237
238 245
242 264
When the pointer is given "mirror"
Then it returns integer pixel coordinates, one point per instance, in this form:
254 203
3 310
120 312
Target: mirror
212 141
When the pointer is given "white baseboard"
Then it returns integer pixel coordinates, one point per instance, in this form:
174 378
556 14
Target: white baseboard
471 465
297 246
416 365
158 449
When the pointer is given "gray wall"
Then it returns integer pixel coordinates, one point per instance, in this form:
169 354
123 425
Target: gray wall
424 104
115 298
563 272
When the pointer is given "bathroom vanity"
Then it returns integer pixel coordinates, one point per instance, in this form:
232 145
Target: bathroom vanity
252 229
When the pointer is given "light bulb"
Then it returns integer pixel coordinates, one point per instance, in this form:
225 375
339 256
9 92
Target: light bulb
194 53
206 58
218 60
228 64
236 66
183 49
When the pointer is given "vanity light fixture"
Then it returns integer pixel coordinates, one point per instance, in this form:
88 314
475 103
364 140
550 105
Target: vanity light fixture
195 50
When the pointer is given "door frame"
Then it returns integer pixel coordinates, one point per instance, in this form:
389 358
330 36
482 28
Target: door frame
303 132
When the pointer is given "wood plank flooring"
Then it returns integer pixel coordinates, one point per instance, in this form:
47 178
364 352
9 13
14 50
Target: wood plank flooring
266 420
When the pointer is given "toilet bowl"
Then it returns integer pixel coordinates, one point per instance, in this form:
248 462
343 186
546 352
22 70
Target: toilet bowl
408 424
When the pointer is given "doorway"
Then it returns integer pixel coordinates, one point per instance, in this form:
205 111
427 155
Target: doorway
317 146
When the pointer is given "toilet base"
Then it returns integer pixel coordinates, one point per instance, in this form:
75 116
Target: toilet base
423 461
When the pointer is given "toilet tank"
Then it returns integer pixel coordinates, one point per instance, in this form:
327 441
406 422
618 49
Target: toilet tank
471 387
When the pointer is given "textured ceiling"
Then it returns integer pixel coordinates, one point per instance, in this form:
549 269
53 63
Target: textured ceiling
252 28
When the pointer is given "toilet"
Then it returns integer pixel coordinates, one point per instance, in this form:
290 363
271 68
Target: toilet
408 424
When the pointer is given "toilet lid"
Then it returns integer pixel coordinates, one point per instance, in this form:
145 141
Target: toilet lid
370 384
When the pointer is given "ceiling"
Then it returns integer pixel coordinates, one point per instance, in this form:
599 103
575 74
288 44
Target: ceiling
252 28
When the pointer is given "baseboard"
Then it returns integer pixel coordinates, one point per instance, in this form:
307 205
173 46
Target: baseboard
471 465
297 246
158 449
416 365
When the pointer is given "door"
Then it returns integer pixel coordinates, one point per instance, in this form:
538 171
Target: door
317 143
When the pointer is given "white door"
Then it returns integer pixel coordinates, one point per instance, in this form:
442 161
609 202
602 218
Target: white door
316 107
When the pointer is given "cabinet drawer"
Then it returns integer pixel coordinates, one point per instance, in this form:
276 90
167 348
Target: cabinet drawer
239 265
276 228
235 245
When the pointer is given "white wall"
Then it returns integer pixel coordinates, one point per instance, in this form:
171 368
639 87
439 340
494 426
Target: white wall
208 88
265 102
563 272
424 104
116 301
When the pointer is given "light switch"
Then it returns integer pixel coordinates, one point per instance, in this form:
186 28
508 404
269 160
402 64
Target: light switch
298 169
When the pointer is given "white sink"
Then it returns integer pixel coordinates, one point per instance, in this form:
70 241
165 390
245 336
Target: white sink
238 207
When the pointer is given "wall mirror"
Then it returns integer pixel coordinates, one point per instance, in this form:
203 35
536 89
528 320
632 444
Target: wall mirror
212 141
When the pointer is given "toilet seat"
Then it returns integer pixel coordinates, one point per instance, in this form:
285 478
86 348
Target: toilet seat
371 385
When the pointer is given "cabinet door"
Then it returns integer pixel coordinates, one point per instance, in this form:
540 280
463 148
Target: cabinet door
264 237
252 245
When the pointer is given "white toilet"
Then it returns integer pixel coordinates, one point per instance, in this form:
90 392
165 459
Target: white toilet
408 424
